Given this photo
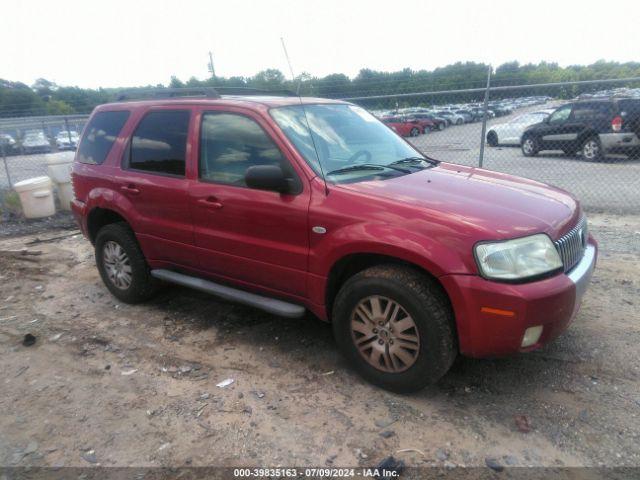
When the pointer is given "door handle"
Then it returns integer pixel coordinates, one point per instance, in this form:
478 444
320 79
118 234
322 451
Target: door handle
130 189
210 202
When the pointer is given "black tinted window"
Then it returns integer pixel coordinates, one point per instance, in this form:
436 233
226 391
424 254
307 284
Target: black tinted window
99 135
160 142
230 144
587 111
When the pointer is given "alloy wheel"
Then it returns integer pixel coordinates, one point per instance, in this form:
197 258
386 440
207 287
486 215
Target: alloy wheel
591 150
117 265
385 335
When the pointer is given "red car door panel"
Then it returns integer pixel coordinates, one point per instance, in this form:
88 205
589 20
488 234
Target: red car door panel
253 236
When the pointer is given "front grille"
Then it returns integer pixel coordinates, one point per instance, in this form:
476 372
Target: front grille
571 246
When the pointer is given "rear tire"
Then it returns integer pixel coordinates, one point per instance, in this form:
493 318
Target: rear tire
530 146
425 340
492 139
441 126
414 132
592 149
122 265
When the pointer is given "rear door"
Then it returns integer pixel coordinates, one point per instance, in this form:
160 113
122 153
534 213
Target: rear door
248 236
152 179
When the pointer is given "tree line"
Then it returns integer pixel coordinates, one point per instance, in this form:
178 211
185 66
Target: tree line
46 98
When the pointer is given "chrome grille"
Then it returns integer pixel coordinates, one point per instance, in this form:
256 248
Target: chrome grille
571 246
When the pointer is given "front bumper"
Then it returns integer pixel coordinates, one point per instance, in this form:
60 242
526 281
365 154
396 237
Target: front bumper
492 317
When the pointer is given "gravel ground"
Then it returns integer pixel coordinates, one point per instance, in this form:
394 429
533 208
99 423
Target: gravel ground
119 385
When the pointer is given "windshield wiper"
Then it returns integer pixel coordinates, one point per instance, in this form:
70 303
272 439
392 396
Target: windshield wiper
413 160
366 166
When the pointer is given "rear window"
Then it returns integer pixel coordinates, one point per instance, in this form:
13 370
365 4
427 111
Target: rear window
101 132
630 107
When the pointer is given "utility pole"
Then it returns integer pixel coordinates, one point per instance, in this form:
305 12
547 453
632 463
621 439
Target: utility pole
211 69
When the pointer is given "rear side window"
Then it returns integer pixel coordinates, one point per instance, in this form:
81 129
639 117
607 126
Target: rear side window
159 143
99 135
589 111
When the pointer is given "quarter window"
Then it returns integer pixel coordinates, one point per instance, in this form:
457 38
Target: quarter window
230 144
99 136
159 143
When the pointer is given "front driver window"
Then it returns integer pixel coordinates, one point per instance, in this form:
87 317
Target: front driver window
230 144
560 115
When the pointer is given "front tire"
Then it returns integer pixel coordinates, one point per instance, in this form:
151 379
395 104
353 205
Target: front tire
395 326
122 265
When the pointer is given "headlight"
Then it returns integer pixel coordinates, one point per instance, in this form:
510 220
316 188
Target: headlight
518 259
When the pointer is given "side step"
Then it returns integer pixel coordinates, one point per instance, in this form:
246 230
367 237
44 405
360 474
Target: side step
271 305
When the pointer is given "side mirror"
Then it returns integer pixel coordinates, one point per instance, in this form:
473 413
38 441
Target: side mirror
268 177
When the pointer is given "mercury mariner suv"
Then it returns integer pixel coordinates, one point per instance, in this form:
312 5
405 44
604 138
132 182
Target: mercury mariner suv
295 204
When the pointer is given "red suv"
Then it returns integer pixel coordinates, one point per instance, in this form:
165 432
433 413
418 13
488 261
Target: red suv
291 204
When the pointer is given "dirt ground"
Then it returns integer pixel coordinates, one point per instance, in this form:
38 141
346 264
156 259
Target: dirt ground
119 385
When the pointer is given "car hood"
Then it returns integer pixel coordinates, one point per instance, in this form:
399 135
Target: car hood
496 205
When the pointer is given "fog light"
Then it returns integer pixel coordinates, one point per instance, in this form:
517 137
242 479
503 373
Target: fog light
531 336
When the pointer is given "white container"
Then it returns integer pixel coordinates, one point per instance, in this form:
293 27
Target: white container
36 197
59 166
65 195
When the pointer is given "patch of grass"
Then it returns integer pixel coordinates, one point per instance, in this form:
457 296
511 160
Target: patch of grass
10 204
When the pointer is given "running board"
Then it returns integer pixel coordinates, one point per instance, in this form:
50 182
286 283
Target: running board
271 305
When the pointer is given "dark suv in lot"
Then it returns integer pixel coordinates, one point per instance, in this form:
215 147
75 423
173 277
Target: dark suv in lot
290 204
592 127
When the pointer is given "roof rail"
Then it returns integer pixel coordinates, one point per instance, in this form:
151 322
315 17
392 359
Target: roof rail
208 92
283 92
137 93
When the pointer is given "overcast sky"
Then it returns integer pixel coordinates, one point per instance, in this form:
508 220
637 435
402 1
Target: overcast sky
113 43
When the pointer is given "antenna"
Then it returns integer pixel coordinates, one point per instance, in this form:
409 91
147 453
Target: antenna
306 119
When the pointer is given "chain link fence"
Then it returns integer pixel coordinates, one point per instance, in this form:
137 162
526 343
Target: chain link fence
486 127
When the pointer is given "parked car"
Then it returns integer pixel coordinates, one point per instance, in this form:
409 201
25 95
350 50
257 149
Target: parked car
467 115
452 117
426 124
7 144
404 126
436 123
510 133
500 109
292 204
67 140
36 142
593 127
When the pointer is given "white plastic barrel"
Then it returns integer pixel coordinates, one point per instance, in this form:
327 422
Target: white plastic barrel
59 168
36 197
65 195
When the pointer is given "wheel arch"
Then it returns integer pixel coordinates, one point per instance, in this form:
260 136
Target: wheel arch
349 265
98 217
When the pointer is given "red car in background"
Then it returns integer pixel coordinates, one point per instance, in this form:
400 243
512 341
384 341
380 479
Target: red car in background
404 126
426 124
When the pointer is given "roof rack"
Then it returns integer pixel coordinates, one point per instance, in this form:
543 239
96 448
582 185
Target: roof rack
137 93
207 92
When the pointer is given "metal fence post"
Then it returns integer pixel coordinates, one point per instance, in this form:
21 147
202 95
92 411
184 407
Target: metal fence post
66 124
484 118
6 167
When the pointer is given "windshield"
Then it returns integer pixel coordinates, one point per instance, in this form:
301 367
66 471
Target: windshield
343 136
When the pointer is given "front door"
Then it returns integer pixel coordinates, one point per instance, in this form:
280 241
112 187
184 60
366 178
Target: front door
560 131
249 236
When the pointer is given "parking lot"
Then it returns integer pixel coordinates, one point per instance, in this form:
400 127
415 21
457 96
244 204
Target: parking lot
602 186
120 385
609 185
